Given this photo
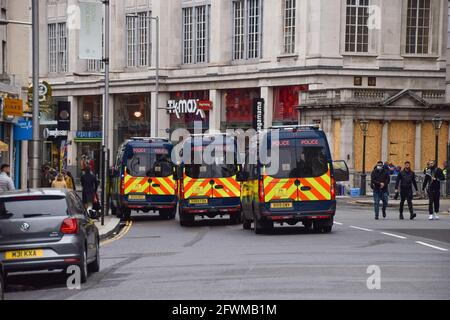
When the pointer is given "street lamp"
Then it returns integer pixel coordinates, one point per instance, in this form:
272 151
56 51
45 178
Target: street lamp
437 126
364 125
135 16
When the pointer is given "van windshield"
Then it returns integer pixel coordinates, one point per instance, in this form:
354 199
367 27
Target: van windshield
197 171
150 164
300 162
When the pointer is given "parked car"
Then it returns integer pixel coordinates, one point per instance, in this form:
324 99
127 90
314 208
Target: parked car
2 283
47 229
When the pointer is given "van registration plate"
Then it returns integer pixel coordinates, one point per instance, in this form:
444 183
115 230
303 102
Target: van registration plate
198 201
281 205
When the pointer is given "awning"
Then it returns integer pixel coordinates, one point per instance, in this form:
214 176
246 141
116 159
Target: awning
3 147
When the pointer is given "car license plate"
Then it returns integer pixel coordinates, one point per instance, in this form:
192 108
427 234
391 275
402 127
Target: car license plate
198 201
281 205
23 254
136 197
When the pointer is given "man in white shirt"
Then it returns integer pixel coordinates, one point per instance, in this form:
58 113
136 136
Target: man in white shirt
6 183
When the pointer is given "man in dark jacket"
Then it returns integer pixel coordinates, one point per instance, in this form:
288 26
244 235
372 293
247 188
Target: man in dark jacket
380 179
406 180
432 183
89 184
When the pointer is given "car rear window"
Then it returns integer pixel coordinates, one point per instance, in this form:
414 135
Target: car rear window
32 208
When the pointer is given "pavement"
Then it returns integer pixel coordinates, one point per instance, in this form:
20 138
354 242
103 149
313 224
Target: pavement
158 259
420 204
110 228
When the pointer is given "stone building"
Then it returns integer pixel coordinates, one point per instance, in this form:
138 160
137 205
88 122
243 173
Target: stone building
324 61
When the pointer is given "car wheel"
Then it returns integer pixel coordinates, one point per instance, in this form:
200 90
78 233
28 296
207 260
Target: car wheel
83 267
95 265
2 287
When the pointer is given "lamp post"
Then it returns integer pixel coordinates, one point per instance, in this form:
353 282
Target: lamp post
156 109
364 125
437 125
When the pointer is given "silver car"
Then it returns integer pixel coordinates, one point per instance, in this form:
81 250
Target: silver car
47 229
2 283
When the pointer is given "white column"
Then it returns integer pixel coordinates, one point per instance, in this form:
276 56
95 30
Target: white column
418 147
24 165
385 141
162 121
267 95
214 115
72 149
347 141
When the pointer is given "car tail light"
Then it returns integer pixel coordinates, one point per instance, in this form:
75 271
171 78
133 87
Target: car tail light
333 189
69 226
261 190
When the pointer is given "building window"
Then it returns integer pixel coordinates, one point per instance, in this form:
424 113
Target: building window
418 27
357 30
289 26
246 29
195 34
138 40
57 47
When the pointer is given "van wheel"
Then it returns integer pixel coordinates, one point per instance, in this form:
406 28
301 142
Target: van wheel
186 219
320 227
307 224
263 226
168 214
235 219
327 229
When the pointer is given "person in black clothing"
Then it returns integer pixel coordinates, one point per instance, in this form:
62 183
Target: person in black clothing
432 183
406 180
89 184
380 179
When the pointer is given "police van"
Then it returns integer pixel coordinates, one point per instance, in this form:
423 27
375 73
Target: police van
302 188
210 188
144 178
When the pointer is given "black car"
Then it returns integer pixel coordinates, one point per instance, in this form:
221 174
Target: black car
47 229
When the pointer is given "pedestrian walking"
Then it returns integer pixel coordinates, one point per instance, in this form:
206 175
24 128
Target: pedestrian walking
406 180
380 179
6 183
89 184
59 182
432 184
70 181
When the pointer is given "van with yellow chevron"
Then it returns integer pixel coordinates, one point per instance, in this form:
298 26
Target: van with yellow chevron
298 185
208 178
144 178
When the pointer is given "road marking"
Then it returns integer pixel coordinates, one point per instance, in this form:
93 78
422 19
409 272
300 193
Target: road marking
338 223
124 231
394 235
363 229
431 246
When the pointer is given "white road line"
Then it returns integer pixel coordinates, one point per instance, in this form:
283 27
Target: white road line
393 235
338 223
363 229
430 246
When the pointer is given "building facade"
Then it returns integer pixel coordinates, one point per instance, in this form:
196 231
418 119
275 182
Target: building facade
15 66
324 61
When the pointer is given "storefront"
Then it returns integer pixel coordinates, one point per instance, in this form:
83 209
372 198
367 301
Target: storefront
188 107
89 146
238 106
132 117
285 103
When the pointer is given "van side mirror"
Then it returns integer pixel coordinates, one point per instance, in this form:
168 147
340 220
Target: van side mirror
341 172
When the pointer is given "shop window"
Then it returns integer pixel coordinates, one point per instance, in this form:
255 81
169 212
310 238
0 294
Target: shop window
286 101
133 116
91 115
239 107
187 120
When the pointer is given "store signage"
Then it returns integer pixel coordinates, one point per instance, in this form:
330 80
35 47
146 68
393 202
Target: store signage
54 133
23 130
63 115
258 114
13 107
89 135
192 106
